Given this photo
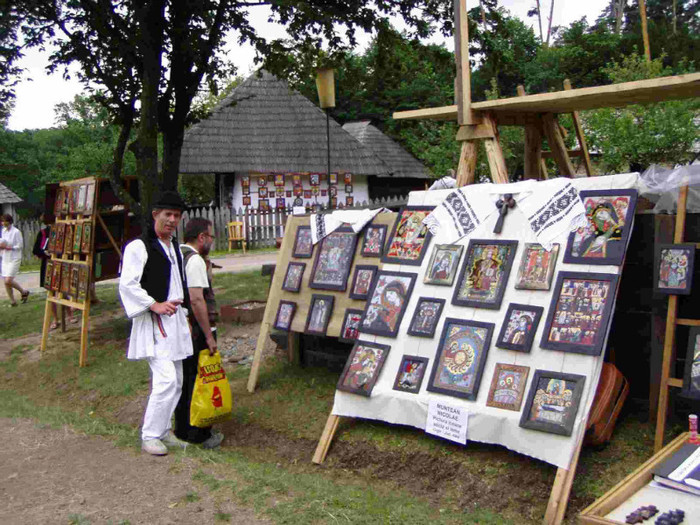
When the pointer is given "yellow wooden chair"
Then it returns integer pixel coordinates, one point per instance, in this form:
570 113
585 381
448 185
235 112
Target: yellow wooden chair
236 233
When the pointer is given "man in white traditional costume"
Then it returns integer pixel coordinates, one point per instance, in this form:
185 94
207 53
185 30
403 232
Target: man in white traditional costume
152 289
203 316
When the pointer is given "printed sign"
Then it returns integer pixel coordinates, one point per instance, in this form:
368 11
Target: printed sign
447 421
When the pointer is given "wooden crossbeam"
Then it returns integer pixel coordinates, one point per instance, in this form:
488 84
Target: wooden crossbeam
615 95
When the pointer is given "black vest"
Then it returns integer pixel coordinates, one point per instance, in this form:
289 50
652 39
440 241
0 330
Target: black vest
208 292
156 274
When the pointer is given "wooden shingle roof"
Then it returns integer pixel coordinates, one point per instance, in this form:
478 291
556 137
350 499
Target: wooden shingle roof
402 163
7 196
265 126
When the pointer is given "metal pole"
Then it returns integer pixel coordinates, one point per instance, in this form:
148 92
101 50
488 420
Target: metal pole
328 149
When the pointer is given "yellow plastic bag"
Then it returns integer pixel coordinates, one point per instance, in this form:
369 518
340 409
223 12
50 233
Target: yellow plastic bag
211 399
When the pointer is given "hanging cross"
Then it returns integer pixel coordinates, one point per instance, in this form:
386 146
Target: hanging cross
505 202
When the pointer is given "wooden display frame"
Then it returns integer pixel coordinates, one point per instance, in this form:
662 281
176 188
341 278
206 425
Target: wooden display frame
86 217
625 489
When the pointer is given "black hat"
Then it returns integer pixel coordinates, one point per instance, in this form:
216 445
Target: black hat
169 200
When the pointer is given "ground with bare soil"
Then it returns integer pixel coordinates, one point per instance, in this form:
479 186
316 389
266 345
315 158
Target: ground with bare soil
53 475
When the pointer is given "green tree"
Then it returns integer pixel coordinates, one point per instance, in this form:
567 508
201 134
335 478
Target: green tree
636 136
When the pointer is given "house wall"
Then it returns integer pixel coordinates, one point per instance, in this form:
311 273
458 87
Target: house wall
8 208
234 189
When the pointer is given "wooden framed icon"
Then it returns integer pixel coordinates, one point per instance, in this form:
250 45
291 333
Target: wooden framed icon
74 279
604 239
348 188
349 332
262 192
691 376
77 237
263 204
519 327
409 377
279 179
245 180
86 242
334 178
536 267
56 277
363 367
89 199
68 240
83 282
285 315
262 181
349 200
673 268
280 203
461 357
246 200
579 314
58 204
52 239
82 193
426 316
65 278
314 179
307 194
333 260
508 386
48 274
320 311
484 275
409 237
347 178
60 237
373 240
443 264
387 303
362 281
552 402
303 246
292 279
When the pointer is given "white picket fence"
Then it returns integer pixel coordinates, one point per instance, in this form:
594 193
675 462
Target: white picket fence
262 228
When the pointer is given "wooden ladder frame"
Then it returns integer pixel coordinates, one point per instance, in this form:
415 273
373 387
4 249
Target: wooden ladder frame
672 321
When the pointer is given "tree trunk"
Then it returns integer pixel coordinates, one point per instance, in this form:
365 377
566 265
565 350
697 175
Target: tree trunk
549 26
150 19
539 20
618 8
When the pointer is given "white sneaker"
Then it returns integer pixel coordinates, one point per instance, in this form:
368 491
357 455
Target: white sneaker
172 441
154 447
214 440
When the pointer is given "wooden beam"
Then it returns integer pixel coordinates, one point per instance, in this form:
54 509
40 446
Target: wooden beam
494 153
556 144
482 131
326 437
533 145
583 146
467 163
645 32
463 90
615 95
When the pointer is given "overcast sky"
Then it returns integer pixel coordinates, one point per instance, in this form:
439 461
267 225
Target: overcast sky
39 93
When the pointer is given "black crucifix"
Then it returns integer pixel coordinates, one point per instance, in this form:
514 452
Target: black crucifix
505 202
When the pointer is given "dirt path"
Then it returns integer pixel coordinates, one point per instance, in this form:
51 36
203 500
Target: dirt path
106 484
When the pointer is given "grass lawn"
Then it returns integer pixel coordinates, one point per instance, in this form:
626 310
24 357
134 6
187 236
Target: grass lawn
375 472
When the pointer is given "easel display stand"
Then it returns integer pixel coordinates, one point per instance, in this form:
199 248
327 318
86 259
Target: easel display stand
672 321
78 248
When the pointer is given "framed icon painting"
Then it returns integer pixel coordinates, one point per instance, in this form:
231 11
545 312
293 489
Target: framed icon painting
536 267
442 267
263 204
460 359
519 327
77 237
349 200
56 277
52 239
362 281
68 240
48 274
86 242
334 178
387 303
246 200
83 282
508 387
285 315
262 192
60 237
603 240
279 179
303 246
409 238
347 178
426 316
292 279
579 314
484 275
349 331
89 199
314 179
691 377
320 311
552 402
409 378
333 260
363 367
673 268
373 241
262 180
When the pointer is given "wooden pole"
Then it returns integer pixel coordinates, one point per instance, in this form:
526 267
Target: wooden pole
645 33
463 90
326 437
533 146
556 144
580 136
467 163
670 334
494 153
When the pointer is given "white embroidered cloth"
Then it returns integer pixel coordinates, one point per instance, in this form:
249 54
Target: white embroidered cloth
325 224
550 208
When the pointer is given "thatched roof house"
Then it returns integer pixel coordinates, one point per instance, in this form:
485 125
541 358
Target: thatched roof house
8 199
264 127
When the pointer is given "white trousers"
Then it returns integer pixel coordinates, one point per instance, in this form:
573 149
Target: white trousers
166 386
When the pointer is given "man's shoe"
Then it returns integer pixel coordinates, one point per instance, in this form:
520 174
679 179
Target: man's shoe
170 440
214 440
154 447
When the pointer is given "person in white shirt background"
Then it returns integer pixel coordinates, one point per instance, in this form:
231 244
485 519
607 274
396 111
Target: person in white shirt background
11 244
